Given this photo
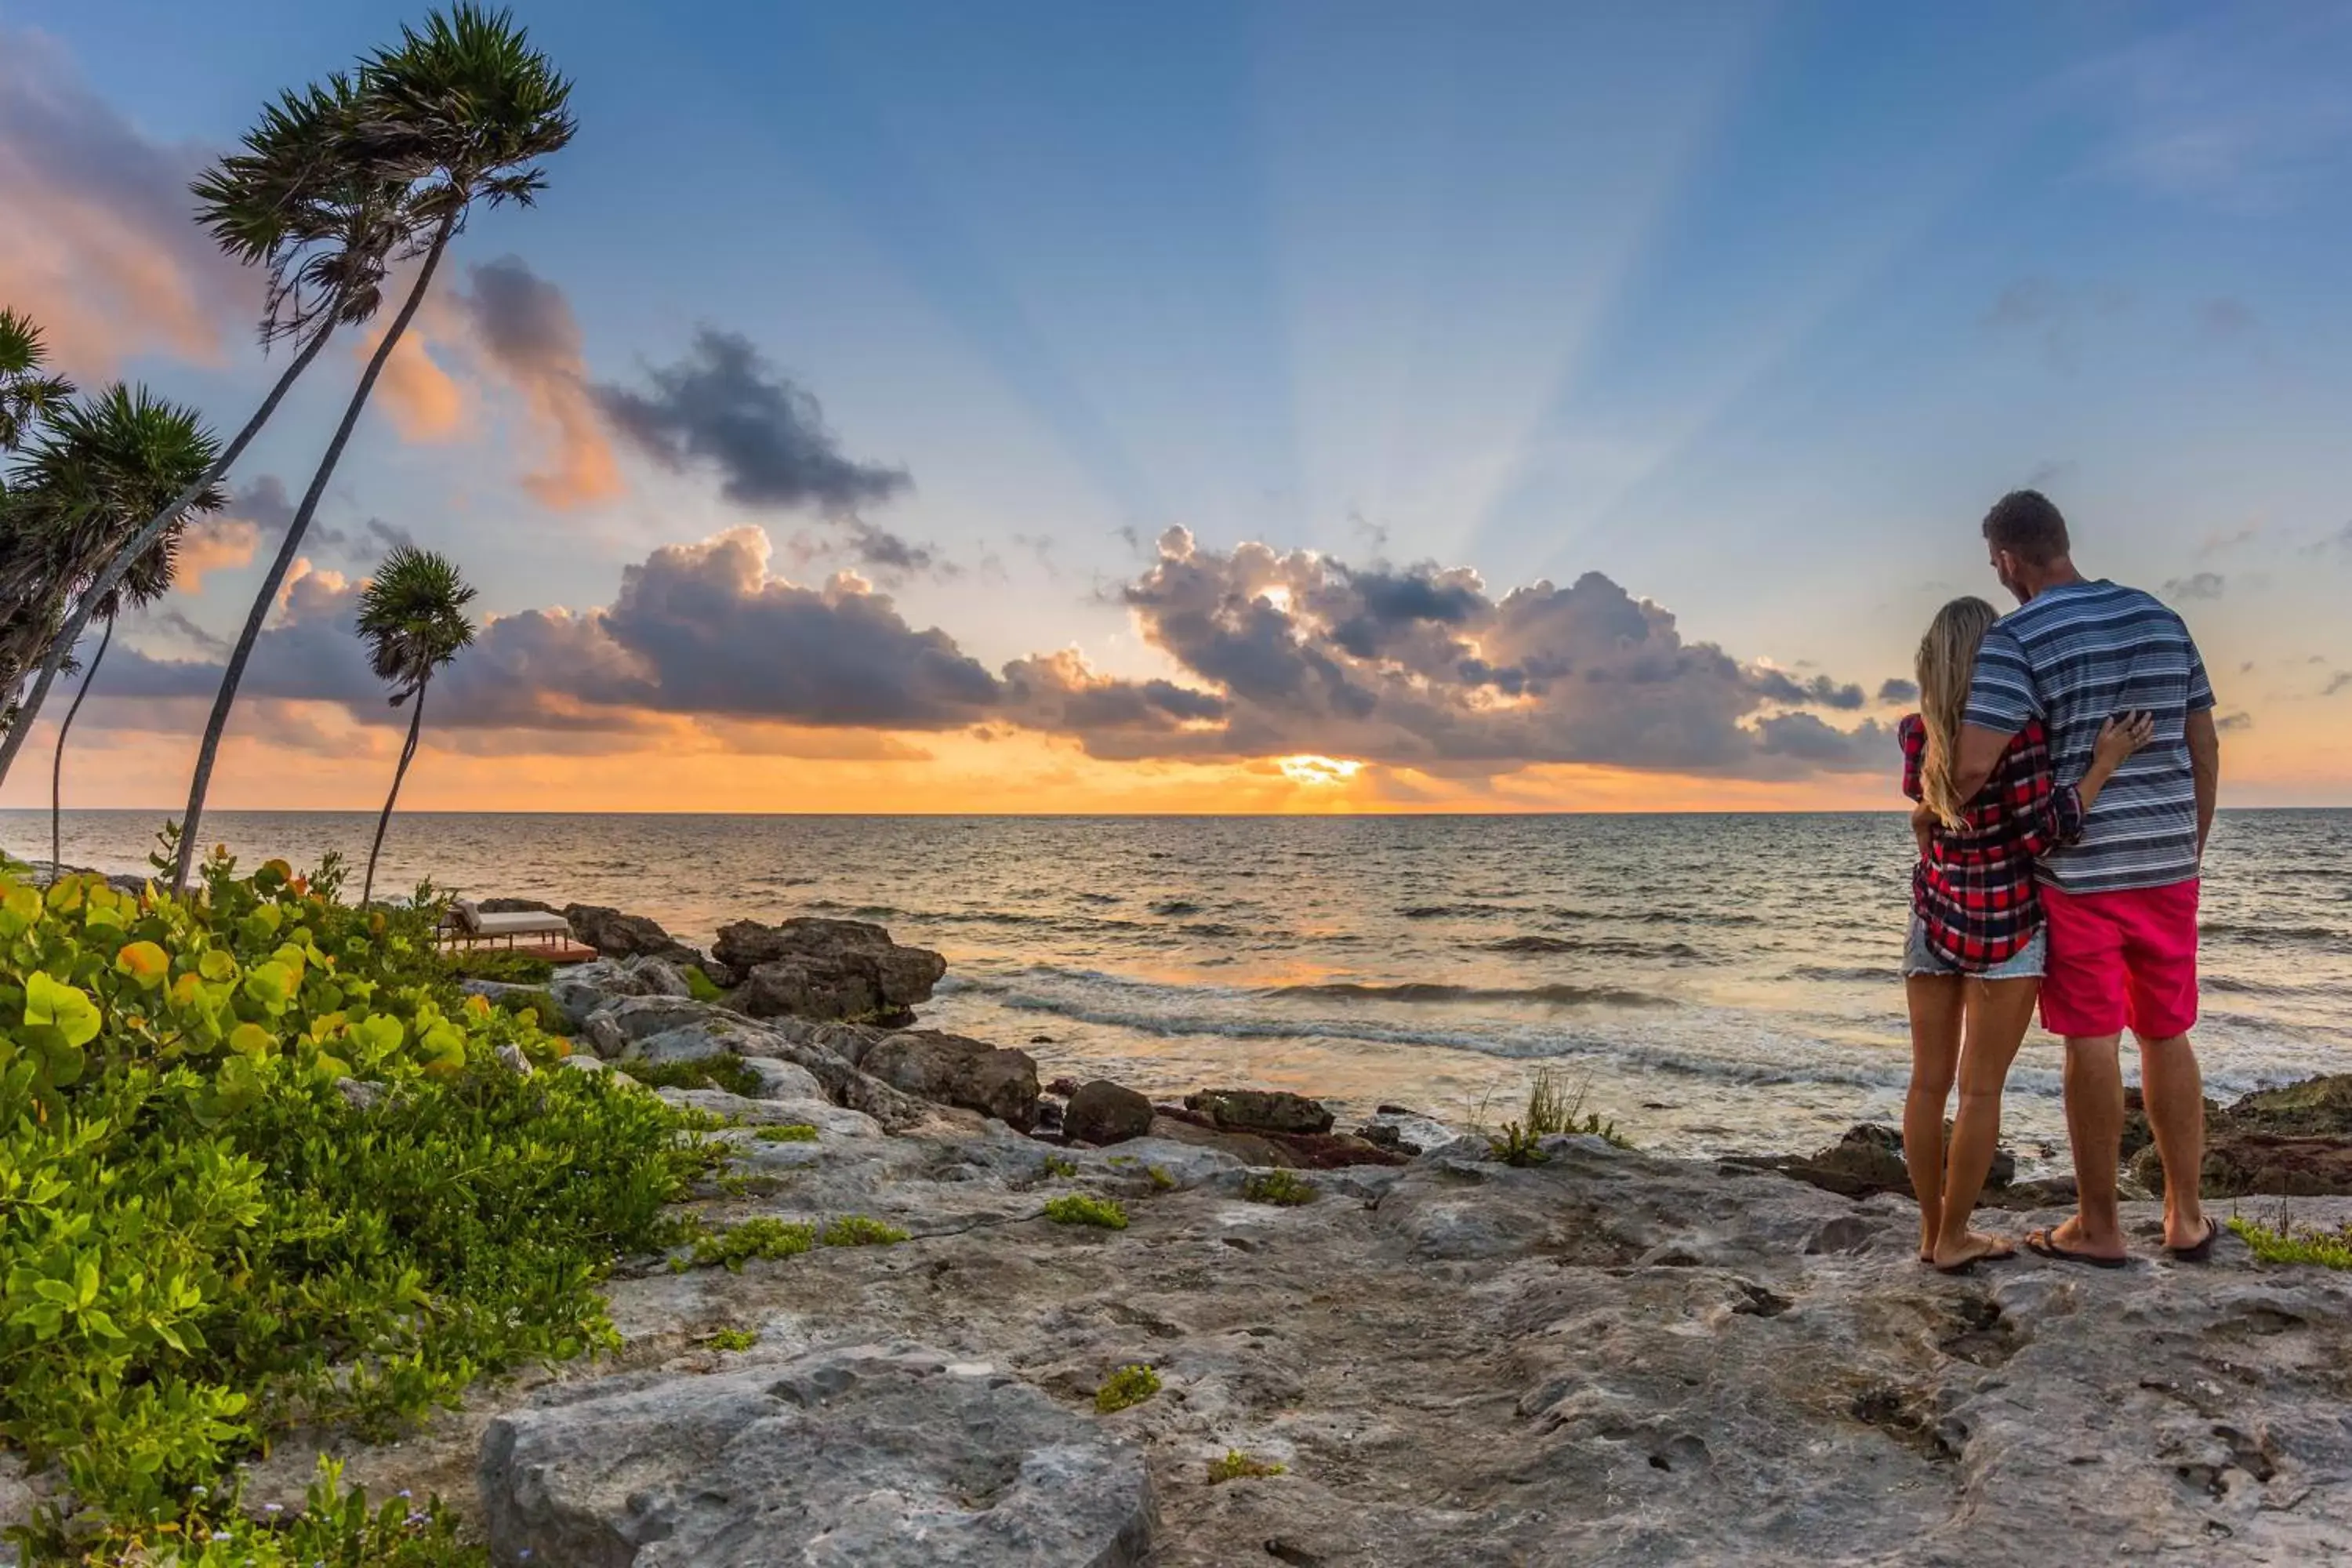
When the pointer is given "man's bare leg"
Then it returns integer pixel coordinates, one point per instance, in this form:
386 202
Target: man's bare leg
2094 1126
2174 1092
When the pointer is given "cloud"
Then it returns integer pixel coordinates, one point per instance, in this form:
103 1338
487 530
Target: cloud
2227 318
2239 721
2339 681
530 338
1895 690
722 407
424 404
96 242
2052 313
1419 668
2196 585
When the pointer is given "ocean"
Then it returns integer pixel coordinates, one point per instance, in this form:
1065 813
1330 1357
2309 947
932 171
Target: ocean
1714 984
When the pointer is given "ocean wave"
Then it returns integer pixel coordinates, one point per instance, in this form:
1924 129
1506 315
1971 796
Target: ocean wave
2273 935
1174 1013
1453 911
1873 974
1175 907
1592 947
1429 992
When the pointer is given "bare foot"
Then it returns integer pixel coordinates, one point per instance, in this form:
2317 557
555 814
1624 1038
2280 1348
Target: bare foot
1975 1247
2184 1232
1926 1240
2065 1240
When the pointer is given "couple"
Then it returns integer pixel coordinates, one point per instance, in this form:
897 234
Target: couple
2080 894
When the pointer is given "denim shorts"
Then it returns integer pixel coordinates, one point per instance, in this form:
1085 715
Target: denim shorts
1919 959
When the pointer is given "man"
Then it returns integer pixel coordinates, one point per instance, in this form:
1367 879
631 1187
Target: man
2121 904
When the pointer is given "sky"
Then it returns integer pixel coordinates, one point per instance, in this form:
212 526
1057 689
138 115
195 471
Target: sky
1276 407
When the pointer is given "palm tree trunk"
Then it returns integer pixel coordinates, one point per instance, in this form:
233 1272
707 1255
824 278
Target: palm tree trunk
416 724
192 821
57 767
144 540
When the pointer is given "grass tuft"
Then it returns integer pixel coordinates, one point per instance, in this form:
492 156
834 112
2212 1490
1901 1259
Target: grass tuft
1128 1386
787 1132
1551 1108
1079 1208
1237 1465
2287 1244
1286 1189
858 1230
700 986
734 1339
721 1069
1057 1166
1517 1146
762 1237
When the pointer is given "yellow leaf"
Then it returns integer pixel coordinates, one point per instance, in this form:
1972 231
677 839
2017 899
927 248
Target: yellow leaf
479 1006
251 1041
145 962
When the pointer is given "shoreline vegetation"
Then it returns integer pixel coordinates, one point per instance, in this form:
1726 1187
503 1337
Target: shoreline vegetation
295 1194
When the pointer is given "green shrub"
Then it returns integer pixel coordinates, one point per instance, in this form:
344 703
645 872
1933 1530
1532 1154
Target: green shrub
734 1339
1078 1208
721 1069
1552 1109
858 1230
1237 1465
203 1242
333 1526
763 1237
1517 1146
700 986
1286 1188
1161 1180
2286 1242
1057 1166
1128 1385
786 1133
511 965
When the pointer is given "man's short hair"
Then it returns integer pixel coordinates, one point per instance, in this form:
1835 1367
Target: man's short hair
2027 525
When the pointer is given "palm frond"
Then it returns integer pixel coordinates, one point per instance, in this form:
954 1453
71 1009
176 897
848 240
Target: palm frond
412 617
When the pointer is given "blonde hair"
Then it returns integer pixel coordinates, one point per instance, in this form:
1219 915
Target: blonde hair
1948 661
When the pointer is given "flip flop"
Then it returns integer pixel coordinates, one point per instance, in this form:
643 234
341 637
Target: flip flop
1969 1266
2199 1252
2045 1244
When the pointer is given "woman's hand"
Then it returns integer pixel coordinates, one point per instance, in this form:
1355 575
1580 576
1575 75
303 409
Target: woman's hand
1923 827
2121 736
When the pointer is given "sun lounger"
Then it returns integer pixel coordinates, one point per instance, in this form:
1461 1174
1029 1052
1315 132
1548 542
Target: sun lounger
468 924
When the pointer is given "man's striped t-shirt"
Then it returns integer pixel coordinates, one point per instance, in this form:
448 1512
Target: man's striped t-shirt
2073 657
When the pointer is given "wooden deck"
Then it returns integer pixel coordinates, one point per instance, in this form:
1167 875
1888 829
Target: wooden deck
557 950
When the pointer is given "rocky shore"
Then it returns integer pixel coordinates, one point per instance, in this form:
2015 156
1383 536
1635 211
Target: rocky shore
1375 1343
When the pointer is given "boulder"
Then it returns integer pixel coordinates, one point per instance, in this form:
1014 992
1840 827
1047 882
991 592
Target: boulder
660 977
516 907
617 935
1868 1161
888 1458
2240 1163
2316 1107
825 969
953 1070
1105 1113
1247 1147
781 1079
1260 1110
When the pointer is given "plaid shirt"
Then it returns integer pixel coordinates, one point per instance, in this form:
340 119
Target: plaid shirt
1974 890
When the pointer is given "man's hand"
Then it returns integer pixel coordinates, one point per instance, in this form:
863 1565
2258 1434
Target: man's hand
1981 751
2205 767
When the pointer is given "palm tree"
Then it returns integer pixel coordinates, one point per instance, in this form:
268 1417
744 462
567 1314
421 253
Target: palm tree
27 396
295 202
82 492
457 113
413 619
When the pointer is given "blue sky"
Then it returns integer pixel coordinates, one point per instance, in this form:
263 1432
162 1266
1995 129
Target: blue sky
1752 309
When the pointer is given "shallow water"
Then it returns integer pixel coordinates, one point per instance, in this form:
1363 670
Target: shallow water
1716 982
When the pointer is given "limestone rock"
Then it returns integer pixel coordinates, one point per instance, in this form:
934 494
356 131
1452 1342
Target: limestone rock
953 1070
2240 1163
812 968
781 1079
1105 1113
2316 1107
617 935
1260 1110
1246 1148
886 1457
511 1058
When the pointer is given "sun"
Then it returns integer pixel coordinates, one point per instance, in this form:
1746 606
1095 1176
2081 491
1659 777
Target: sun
1319 770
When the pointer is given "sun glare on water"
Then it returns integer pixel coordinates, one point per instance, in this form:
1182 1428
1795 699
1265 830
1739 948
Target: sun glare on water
1319 770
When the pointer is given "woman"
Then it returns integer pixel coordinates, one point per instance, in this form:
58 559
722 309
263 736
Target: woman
1972 967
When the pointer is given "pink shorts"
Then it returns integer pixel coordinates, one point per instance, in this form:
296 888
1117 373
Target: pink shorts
2121 961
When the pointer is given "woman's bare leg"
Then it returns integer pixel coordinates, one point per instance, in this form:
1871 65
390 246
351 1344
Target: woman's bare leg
1997 1013
1935 1011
